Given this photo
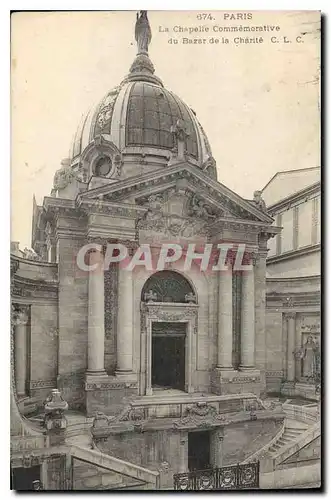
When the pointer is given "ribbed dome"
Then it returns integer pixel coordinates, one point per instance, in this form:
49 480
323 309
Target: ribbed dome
139 116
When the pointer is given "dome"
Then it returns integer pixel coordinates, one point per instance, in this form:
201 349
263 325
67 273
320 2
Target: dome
140 115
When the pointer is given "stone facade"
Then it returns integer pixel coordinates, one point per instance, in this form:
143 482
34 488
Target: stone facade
87 329
293 283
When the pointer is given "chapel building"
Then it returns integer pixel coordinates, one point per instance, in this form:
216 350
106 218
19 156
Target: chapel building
167 369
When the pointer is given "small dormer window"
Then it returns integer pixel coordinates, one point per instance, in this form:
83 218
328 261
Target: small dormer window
102 166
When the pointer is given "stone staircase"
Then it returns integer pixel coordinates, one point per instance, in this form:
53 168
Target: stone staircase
97 470
292 433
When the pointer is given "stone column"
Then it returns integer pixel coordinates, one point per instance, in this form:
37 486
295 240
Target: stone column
183 452
96 317
21 320
248 318
224 354
216 452
260 310
124 322
290 346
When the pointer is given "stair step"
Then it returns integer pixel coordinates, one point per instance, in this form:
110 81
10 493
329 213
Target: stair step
292 434
284 442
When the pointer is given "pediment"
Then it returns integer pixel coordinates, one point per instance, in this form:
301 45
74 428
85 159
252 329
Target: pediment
181 191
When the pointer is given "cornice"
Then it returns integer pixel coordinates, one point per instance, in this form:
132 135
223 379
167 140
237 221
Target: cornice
34 289
292 200
294 279
294 253
91 207
242 224
286 301
216 190
40 263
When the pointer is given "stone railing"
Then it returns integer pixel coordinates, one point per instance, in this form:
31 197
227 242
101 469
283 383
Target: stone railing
184 411
307 414
260 453
27 443
116 465
306 437
174 406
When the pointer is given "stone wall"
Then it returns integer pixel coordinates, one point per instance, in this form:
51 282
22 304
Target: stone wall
72 354
275 351
91 477
242 440
43 348
111 401
159 450
303 265
154 450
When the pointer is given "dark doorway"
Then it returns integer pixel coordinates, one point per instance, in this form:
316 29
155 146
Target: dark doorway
22 478
198 450
168 355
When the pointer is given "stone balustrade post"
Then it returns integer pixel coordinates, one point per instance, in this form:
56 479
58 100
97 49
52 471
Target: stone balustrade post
21 317
183 452
55 421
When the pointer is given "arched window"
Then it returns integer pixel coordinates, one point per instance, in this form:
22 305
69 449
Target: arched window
168 286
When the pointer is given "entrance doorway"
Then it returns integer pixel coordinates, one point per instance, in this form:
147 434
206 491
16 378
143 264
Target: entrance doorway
22 478
168 355
198 450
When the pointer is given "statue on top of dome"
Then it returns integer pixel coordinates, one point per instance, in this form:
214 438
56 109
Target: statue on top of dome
143 33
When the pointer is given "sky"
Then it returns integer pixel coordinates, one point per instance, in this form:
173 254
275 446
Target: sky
258 103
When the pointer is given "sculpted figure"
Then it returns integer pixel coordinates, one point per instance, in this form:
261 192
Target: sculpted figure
200 209
309 364
143 33
259 201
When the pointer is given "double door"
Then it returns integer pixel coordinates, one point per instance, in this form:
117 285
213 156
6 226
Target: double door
168 355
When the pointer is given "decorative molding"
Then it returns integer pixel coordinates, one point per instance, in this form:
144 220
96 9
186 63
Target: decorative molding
14 266
169 312
209 189
43 384
111 301
105 386
20 314
288 302
25 287
134 414
311 328
274 373
241 380
101 206
29 459
293 253
290 315
292 200
200 415
172 225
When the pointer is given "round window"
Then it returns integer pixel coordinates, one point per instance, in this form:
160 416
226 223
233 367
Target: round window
102 166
